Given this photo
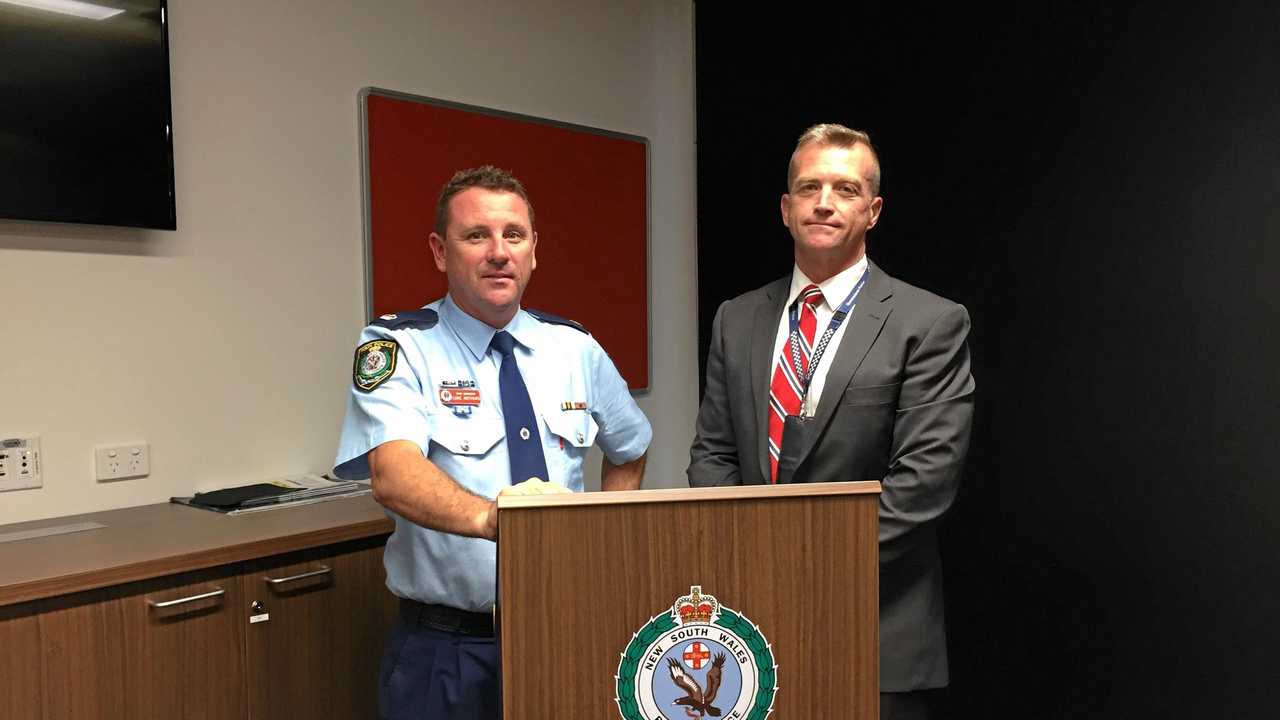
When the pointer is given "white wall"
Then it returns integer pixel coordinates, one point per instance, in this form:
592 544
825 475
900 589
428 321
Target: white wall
227 344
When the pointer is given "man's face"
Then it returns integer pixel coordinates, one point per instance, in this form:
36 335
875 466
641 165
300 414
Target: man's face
487 253
829 207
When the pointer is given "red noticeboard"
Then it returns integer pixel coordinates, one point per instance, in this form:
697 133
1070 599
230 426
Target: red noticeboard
589 190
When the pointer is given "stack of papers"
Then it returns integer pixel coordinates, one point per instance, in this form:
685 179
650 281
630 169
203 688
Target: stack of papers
302 487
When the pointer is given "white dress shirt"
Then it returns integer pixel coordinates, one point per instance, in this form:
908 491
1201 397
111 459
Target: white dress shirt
834 290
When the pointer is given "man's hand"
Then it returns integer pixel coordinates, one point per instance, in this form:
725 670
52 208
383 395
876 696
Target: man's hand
532 486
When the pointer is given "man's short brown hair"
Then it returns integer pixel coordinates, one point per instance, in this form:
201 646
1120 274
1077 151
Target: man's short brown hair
485 176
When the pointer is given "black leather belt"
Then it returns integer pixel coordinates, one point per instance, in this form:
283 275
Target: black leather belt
448 619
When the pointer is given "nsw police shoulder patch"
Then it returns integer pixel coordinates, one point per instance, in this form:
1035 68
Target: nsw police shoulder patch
375 362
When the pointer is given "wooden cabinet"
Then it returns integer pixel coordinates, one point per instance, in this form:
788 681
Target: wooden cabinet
20 683
317 654
171 647
182 648
182 644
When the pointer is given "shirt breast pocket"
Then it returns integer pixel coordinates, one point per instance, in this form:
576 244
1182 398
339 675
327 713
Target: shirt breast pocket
574 429
464 435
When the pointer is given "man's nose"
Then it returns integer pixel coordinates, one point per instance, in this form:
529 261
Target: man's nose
499 252
824 200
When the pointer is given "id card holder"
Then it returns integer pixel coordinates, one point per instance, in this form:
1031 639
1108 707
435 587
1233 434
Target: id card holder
796 432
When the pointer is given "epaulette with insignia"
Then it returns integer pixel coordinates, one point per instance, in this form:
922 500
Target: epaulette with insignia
423 319
556 320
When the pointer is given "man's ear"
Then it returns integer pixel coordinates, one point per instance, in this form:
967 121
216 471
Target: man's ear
877 204
437 249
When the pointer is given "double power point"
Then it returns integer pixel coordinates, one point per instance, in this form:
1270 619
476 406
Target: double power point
117 462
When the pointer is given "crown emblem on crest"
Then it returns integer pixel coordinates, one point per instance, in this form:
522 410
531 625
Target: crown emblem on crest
696 607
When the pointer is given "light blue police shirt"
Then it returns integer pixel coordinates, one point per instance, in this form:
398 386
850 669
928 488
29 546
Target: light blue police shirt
576 392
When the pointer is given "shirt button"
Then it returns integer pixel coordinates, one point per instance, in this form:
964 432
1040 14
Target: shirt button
466 446
524 433
581 437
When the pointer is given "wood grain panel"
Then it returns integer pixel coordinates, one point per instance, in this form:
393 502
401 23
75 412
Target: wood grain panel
317 656
21 682
726 492
82 660
577 581
186 661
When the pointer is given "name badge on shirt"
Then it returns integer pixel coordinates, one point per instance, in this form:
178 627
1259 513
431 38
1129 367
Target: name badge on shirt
461 396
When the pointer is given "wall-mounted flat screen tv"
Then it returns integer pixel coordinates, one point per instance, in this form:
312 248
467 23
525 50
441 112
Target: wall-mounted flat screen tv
86 132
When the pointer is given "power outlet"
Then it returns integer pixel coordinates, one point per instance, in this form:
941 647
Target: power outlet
20 463
117 462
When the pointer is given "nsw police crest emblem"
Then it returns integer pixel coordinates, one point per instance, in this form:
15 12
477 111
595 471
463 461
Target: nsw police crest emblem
375 362
698 659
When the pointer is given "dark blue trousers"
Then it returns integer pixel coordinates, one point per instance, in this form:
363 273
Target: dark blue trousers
438 675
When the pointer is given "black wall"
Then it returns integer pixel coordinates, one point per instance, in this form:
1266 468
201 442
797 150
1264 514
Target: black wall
1101 188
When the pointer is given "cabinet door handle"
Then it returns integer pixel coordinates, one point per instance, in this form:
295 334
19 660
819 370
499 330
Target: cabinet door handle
182 601
324 570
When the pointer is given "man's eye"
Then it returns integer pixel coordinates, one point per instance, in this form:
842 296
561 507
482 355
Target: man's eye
515 235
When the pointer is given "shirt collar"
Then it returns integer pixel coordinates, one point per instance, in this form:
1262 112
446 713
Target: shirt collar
834 289
476 334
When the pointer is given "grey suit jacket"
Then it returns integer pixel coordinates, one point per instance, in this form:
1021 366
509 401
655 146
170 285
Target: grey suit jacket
896 406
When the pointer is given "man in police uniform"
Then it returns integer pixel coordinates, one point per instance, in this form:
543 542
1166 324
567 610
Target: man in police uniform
455 403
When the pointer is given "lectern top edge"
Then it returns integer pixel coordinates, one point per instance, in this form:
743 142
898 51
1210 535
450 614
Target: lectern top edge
735 492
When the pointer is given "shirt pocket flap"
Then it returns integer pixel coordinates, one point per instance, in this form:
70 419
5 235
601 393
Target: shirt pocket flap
574 427
464 435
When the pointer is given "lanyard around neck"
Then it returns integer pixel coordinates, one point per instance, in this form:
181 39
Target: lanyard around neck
841 313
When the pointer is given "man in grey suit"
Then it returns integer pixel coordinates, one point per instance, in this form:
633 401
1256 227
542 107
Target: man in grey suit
841 372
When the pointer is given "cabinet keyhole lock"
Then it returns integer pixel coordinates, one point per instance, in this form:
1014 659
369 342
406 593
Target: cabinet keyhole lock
258 612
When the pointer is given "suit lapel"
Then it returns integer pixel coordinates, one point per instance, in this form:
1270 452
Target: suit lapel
865 323
764 333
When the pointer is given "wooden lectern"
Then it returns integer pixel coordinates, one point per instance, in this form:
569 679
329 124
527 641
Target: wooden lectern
732 602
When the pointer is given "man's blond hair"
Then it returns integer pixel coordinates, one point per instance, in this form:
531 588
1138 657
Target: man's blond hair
833 135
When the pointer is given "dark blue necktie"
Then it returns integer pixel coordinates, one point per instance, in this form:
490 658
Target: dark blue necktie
524 442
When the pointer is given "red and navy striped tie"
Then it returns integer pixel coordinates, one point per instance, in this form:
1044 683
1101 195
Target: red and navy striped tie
787 387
